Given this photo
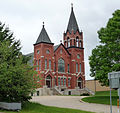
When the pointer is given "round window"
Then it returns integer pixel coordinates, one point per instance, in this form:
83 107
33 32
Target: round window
47 51
78 56
38 51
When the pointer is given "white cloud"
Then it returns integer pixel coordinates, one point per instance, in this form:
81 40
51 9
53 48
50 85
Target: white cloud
25 19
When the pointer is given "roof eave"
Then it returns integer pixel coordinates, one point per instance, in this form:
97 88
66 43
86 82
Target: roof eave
43 42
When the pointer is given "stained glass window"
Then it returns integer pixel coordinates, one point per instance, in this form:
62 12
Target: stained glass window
61 65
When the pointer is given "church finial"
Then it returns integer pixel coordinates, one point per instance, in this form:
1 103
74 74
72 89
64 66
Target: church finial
60 41
72 6
43 24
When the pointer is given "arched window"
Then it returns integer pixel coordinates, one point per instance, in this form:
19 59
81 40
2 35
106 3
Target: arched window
49 64
77 42
68 68
80 43
68 40
45 63
54 67
36 65
65 44
39 64
80 67
64 81
74 42
76 67
61 65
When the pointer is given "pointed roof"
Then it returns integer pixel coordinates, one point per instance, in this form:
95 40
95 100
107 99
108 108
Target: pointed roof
72 24
43 37
57 46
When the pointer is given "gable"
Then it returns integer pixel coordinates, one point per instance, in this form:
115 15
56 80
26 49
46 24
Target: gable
56 48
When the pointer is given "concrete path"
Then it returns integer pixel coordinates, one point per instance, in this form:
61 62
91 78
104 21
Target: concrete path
73 102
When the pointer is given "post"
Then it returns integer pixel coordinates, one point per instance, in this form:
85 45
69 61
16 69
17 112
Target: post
118 105
119 98
95 84
110 96
119 94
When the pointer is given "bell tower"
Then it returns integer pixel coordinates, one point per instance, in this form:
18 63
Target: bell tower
73 37
73 41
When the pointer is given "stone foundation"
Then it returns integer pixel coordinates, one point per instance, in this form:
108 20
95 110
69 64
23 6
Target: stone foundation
61 91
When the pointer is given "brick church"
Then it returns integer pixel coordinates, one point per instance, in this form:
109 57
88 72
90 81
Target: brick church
60 67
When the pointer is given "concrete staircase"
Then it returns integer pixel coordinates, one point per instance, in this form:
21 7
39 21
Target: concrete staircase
57 91
89 91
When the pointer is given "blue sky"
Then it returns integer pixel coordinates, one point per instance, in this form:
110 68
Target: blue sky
25 18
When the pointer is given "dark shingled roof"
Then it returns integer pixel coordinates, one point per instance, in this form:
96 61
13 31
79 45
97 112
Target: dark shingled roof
55 47
72 24
31 55
43 37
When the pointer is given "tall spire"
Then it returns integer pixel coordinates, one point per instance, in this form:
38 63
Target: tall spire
72 24
43 37
71 6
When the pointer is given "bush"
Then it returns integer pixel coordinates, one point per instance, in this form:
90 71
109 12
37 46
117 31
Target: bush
85 94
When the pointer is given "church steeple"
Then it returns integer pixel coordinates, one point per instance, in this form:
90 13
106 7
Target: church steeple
43 37
72 24
73 37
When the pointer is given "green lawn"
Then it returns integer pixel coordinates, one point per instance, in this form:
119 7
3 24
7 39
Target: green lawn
106 93
102 97
30 107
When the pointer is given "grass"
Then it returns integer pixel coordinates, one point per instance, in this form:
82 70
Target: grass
103 97
106 93
30 107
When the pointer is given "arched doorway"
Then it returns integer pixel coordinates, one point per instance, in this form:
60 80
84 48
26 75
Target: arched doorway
80 82
49 81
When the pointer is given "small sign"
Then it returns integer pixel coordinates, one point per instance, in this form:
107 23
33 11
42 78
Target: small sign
114 78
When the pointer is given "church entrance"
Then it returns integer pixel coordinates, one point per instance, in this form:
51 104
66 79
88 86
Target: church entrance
48 81
80 83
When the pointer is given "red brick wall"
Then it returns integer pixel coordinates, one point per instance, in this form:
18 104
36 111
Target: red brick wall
70 59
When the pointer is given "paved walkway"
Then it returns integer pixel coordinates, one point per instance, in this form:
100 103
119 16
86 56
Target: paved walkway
74 103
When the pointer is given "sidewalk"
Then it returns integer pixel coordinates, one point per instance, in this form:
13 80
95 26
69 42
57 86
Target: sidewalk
74 103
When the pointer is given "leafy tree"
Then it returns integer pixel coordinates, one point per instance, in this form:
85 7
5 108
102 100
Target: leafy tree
105 58
16 76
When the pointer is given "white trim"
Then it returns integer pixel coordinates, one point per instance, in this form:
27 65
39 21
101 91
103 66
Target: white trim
41 71
46 71
73 60
53 73
42 56
64 76
61 72
78 73
73 74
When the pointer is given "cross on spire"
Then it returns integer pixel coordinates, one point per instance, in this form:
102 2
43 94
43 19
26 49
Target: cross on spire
71 5
43 24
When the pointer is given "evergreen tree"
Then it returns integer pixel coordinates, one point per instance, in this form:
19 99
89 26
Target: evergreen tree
16 76
105 58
